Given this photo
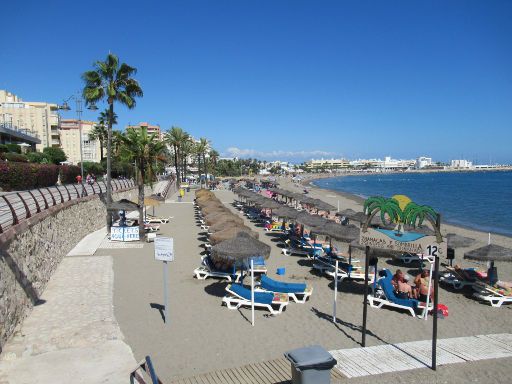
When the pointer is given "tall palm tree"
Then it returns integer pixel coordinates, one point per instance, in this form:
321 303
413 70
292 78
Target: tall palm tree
113 82
175 138
214 157
390 211
144 150
196 152
100 132
204 146
186 150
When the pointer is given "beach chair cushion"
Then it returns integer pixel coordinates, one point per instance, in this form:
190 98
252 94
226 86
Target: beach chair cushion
259 297
389 291
279 286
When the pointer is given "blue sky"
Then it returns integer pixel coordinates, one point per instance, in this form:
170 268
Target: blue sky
286 79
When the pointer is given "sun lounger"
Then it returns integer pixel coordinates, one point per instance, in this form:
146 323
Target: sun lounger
408 258
238 296
459 278
298 292
494 295
208 270
386 296
157 220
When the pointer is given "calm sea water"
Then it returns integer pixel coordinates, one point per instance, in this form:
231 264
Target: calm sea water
479 200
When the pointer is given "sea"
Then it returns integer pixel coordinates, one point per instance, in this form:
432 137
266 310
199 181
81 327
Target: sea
477 200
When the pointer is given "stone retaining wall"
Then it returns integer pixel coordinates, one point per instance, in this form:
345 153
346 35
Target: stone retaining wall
31 251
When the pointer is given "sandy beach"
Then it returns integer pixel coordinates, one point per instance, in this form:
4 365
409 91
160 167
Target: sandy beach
203 335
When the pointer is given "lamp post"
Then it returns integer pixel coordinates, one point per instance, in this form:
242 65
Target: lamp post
65 107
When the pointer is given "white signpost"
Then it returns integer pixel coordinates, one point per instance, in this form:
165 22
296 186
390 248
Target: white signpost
164 251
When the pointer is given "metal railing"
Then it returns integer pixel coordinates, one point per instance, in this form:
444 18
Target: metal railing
18 206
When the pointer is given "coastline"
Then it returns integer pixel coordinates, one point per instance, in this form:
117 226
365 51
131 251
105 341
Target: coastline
310 179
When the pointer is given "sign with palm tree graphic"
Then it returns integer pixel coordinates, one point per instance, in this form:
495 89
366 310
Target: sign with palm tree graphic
401 211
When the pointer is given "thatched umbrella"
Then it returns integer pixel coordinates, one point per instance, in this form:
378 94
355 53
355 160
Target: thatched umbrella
225 222
218 216
240 248
213 208
229 233
308 220
267 203
345 233
203 192
286 212
492 253
458 241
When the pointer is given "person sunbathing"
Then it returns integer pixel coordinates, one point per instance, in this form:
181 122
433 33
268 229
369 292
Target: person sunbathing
402 289
422 282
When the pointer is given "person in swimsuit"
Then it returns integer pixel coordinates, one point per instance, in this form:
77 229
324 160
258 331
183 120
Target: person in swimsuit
421 282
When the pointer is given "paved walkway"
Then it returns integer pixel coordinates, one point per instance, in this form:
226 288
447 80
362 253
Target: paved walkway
72 333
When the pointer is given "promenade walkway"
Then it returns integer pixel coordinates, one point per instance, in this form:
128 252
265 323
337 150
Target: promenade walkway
73 332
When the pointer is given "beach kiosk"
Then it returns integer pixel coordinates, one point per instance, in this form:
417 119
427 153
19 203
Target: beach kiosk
124 229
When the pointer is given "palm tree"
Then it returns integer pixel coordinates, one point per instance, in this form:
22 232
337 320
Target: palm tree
389 210
175 138
99 132
186 150
415 214
144 150
112 82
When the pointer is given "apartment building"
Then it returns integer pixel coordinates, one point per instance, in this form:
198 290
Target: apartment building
32 118
150 128
70 141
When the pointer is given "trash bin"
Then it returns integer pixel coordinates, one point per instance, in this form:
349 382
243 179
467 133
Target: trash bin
310 365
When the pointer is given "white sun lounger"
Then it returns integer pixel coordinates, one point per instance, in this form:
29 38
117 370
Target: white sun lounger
208 270
157 220
494 296
238 296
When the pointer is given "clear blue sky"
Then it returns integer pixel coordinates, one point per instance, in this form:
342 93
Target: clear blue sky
296 78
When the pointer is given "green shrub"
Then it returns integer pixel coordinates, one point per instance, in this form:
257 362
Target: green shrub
92 167
37 157
14 148
55 155
23 176
15 157
4 148
68 174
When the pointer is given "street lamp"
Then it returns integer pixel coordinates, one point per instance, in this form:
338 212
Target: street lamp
65 107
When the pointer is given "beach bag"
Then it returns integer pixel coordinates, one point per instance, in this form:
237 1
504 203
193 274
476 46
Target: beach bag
442 310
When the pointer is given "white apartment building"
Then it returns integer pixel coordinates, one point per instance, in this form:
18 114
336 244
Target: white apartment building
423 162
327 163
461 164
70 141
38 119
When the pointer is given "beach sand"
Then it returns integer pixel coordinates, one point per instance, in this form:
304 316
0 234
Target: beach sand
203 335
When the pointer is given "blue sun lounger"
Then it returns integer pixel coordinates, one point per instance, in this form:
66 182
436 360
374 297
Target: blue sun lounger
298 292
387 296
239 296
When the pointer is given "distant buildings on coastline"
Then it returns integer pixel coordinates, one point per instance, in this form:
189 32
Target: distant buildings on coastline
391 165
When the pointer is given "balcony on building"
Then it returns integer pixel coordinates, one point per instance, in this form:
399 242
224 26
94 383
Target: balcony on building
12 134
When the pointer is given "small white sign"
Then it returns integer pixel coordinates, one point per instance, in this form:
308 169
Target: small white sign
164 248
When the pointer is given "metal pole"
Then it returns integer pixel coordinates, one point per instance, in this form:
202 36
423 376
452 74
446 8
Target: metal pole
365 306
252 292
78 101
335 292
166 293
434 326
425 311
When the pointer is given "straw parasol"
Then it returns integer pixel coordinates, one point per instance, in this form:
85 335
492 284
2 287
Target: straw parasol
229 233
308 220
490 252
214 208
286 212
225 222
458 241
217 216
240 248
345 233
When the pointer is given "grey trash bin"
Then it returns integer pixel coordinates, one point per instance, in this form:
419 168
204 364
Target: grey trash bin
310 365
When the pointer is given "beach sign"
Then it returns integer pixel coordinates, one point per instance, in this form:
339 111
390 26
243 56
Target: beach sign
406 242
399 211
164 249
